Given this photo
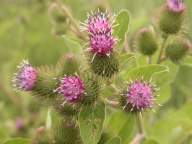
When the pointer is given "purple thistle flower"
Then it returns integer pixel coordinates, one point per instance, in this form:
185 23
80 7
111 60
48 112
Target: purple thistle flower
72 88
26 77
99 23
102 44
140 95
176 5
99 27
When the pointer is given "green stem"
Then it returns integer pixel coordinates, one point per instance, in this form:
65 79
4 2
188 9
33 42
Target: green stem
149 59
162 49
140 124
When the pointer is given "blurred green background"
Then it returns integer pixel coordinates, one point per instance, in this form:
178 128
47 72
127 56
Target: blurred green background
26 32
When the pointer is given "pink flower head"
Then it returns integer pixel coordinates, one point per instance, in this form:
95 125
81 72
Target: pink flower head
176 5
72 88
102 44
26 77
140 95
99 27
99 23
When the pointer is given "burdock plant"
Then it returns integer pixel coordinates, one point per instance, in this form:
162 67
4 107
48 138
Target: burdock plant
83 89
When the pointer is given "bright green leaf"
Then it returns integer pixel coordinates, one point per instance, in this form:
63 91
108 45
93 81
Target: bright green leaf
146 72
182 85
173 127
122 22
91 123
122 125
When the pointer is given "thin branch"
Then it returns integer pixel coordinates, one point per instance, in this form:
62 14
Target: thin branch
111 102
162 49
140 124
66 12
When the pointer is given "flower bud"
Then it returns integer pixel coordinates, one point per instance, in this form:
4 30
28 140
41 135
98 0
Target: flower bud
172 16
65 131
146 42
59 19
140 95
177 50
68 64
56 14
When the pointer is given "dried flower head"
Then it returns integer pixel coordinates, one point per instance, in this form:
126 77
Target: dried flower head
72 88
139 96
26 77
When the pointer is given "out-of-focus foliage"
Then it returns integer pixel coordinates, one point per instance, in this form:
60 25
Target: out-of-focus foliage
26 32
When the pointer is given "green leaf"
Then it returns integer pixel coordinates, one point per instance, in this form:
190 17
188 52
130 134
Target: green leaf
127 60
122 22
115 140
182 85
72 45
164 80
18 141
146 72
174 127
91 120
122 125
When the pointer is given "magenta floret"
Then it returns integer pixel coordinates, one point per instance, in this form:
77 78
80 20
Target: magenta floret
26 77
140 95
72 88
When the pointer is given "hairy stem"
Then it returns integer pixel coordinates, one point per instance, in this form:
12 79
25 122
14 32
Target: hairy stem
137 139
140 124
65 11
112 103
162 49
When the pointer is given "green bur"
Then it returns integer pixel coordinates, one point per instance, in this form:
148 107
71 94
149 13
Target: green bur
92 89
177 50
147 43
105 66
170 21
65 131
68 64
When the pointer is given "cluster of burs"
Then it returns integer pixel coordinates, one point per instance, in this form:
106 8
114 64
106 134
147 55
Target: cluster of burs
69 86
